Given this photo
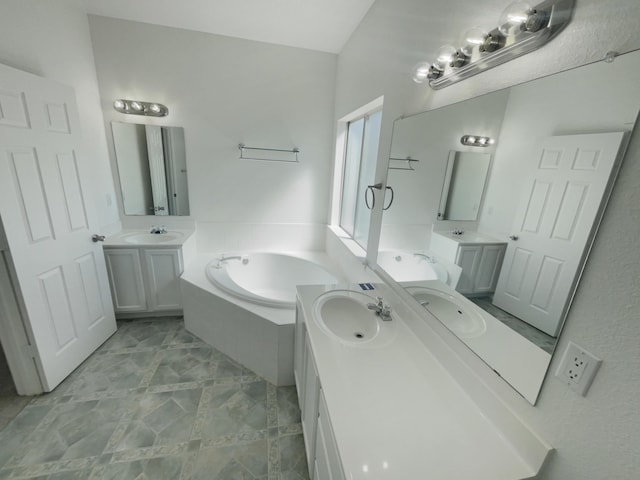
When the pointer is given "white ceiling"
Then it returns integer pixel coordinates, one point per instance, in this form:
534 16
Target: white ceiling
323 25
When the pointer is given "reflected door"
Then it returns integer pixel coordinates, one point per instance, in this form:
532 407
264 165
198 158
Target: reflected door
554 225
48 223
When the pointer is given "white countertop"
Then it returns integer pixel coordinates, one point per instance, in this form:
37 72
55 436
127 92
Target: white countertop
398 414
175 238
470 237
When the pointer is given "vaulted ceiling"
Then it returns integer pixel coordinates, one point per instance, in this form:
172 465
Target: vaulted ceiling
323 25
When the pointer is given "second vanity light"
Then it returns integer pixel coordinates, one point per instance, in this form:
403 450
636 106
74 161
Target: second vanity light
136 107
521 29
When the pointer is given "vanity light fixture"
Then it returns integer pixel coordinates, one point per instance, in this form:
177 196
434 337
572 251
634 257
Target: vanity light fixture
476 141
136 107
521 29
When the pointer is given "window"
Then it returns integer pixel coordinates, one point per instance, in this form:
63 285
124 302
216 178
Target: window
361 154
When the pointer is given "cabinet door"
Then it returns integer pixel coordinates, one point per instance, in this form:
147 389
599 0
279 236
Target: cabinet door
328 460
125 277
164 267
298 354
309 411
488 268
468 259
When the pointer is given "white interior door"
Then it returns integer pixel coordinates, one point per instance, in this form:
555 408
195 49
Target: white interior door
555 223
48 224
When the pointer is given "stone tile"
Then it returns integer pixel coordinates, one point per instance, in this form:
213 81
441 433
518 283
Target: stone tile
110 372
247 461
182 337
14 436
159 468
162 419
182 365
74 430
293 459
141 408
288 410
136 336
235 409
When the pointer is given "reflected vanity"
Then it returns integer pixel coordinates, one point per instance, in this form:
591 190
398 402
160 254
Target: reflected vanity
518 216
152 169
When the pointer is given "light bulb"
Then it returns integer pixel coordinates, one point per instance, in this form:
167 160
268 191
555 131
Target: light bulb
136 106
514 17
445 55
119 105
472 39
155 108
421 72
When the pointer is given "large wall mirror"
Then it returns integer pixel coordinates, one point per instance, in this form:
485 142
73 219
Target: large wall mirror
518 223
152 168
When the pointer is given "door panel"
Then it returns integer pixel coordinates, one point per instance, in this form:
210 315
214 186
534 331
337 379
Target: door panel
48 223
554 226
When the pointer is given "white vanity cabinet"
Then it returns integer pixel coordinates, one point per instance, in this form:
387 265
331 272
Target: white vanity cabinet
144 279
125 279
479 256
323 458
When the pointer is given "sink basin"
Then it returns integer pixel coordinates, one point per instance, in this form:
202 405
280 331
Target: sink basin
152 238
343 314
456 316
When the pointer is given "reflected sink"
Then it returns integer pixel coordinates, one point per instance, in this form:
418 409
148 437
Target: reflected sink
152 238
343 314
456 316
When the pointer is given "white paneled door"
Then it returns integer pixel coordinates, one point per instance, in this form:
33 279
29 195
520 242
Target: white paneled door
554 225
48 223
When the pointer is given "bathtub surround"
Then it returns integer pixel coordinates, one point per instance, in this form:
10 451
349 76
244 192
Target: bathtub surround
258 336
156 401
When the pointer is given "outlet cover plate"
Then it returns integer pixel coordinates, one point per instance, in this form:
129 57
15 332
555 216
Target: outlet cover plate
578 368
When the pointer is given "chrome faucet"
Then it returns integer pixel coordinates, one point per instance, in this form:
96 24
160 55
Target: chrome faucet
223 258
381 309
158 229
458 231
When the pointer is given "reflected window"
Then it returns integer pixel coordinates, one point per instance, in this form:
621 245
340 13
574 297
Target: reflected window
361 154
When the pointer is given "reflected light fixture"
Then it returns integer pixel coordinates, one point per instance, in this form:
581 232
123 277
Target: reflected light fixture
521 29
136 107
476 141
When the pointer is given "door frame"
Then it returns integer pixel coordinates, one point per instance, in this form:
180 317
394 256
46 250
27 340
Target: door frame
14 337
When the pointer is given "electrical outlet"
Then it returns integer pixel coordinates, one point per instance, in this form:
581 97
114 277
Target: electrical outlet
577 368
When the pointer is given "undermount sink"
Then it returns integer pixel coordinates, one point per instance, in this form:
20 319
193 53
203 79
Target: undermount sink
152 238
456 316
343 314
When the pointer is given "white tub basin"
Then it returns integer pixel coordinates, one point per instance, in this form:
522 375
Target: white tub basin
456 316
344 315
152 238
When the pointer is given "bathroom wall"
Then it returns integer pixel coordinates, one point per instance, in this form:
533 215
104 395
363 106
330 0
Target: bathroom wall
596 436
226 91
51 39
428 138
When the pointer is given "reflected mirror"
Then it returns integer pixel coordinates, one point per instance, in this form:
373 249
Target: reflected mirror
152 168
514 230
464 181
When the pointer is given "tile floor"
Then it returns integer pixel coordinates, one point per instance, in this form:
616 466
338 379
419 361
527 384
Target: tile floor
155 402
10 403
541 339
